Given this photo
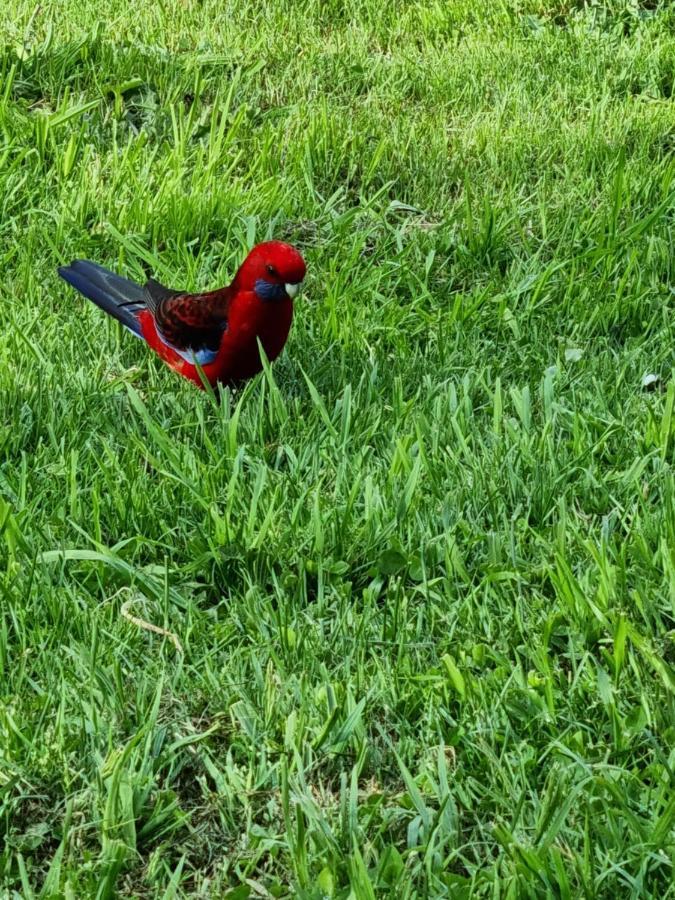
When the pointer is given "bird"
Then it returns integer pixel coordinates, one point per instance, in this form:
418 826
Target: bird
215 333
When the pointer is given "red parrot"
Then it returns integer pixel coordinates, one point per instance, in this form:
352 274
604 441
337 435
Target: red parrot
219 329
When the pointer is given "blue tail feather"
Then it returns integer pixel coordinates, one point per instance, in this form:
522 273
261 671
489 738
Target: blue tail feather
120 298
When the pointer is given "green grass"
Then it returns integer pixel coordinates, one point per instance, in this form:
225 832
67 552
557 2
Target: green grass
422 573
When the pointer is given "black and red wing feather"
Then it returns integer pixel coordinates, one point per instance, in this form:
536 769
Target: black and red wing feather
188 321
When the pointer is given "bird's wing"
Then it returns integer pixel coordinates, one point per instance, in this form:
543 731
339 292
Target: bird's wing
188 321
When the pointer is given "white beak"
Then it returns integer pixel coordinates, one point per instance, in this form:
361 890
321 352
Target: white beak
292 289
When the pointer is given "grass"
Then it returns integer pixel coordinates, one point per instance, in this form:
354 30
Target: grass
422 572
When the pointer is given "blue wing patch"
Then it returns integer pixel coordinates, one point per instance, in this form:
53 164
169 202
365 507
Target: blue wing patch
203 357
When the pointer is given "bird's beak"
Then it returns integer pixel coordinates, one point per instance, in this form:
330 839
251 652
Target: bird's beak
293 289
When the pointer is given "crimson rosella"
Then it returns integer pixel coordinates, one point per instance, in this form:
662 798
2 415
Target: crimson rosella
220 329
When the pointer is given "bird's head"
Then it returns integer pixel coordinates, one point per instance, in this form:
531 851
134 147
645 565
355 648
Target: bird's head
273 270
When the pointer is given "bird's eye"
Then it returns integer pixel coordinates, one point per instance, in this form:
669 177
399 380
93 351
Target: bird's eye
271 270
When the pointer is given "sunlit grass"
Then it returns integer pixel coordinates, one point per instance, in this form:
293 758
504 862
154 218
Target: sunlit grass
422 571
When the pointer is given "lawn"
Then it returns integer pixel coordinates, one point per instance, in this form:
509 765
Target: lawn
415 584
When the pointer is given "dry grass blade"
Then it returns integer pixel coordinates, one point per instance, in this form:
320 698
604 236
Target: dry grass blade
148 626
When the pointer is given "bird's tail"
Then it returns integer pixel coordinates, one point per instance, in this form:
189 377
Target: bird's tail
120 298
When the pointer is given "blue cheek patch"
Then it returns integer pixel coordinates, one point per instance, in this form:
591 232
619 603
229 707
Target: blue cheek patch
269 291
